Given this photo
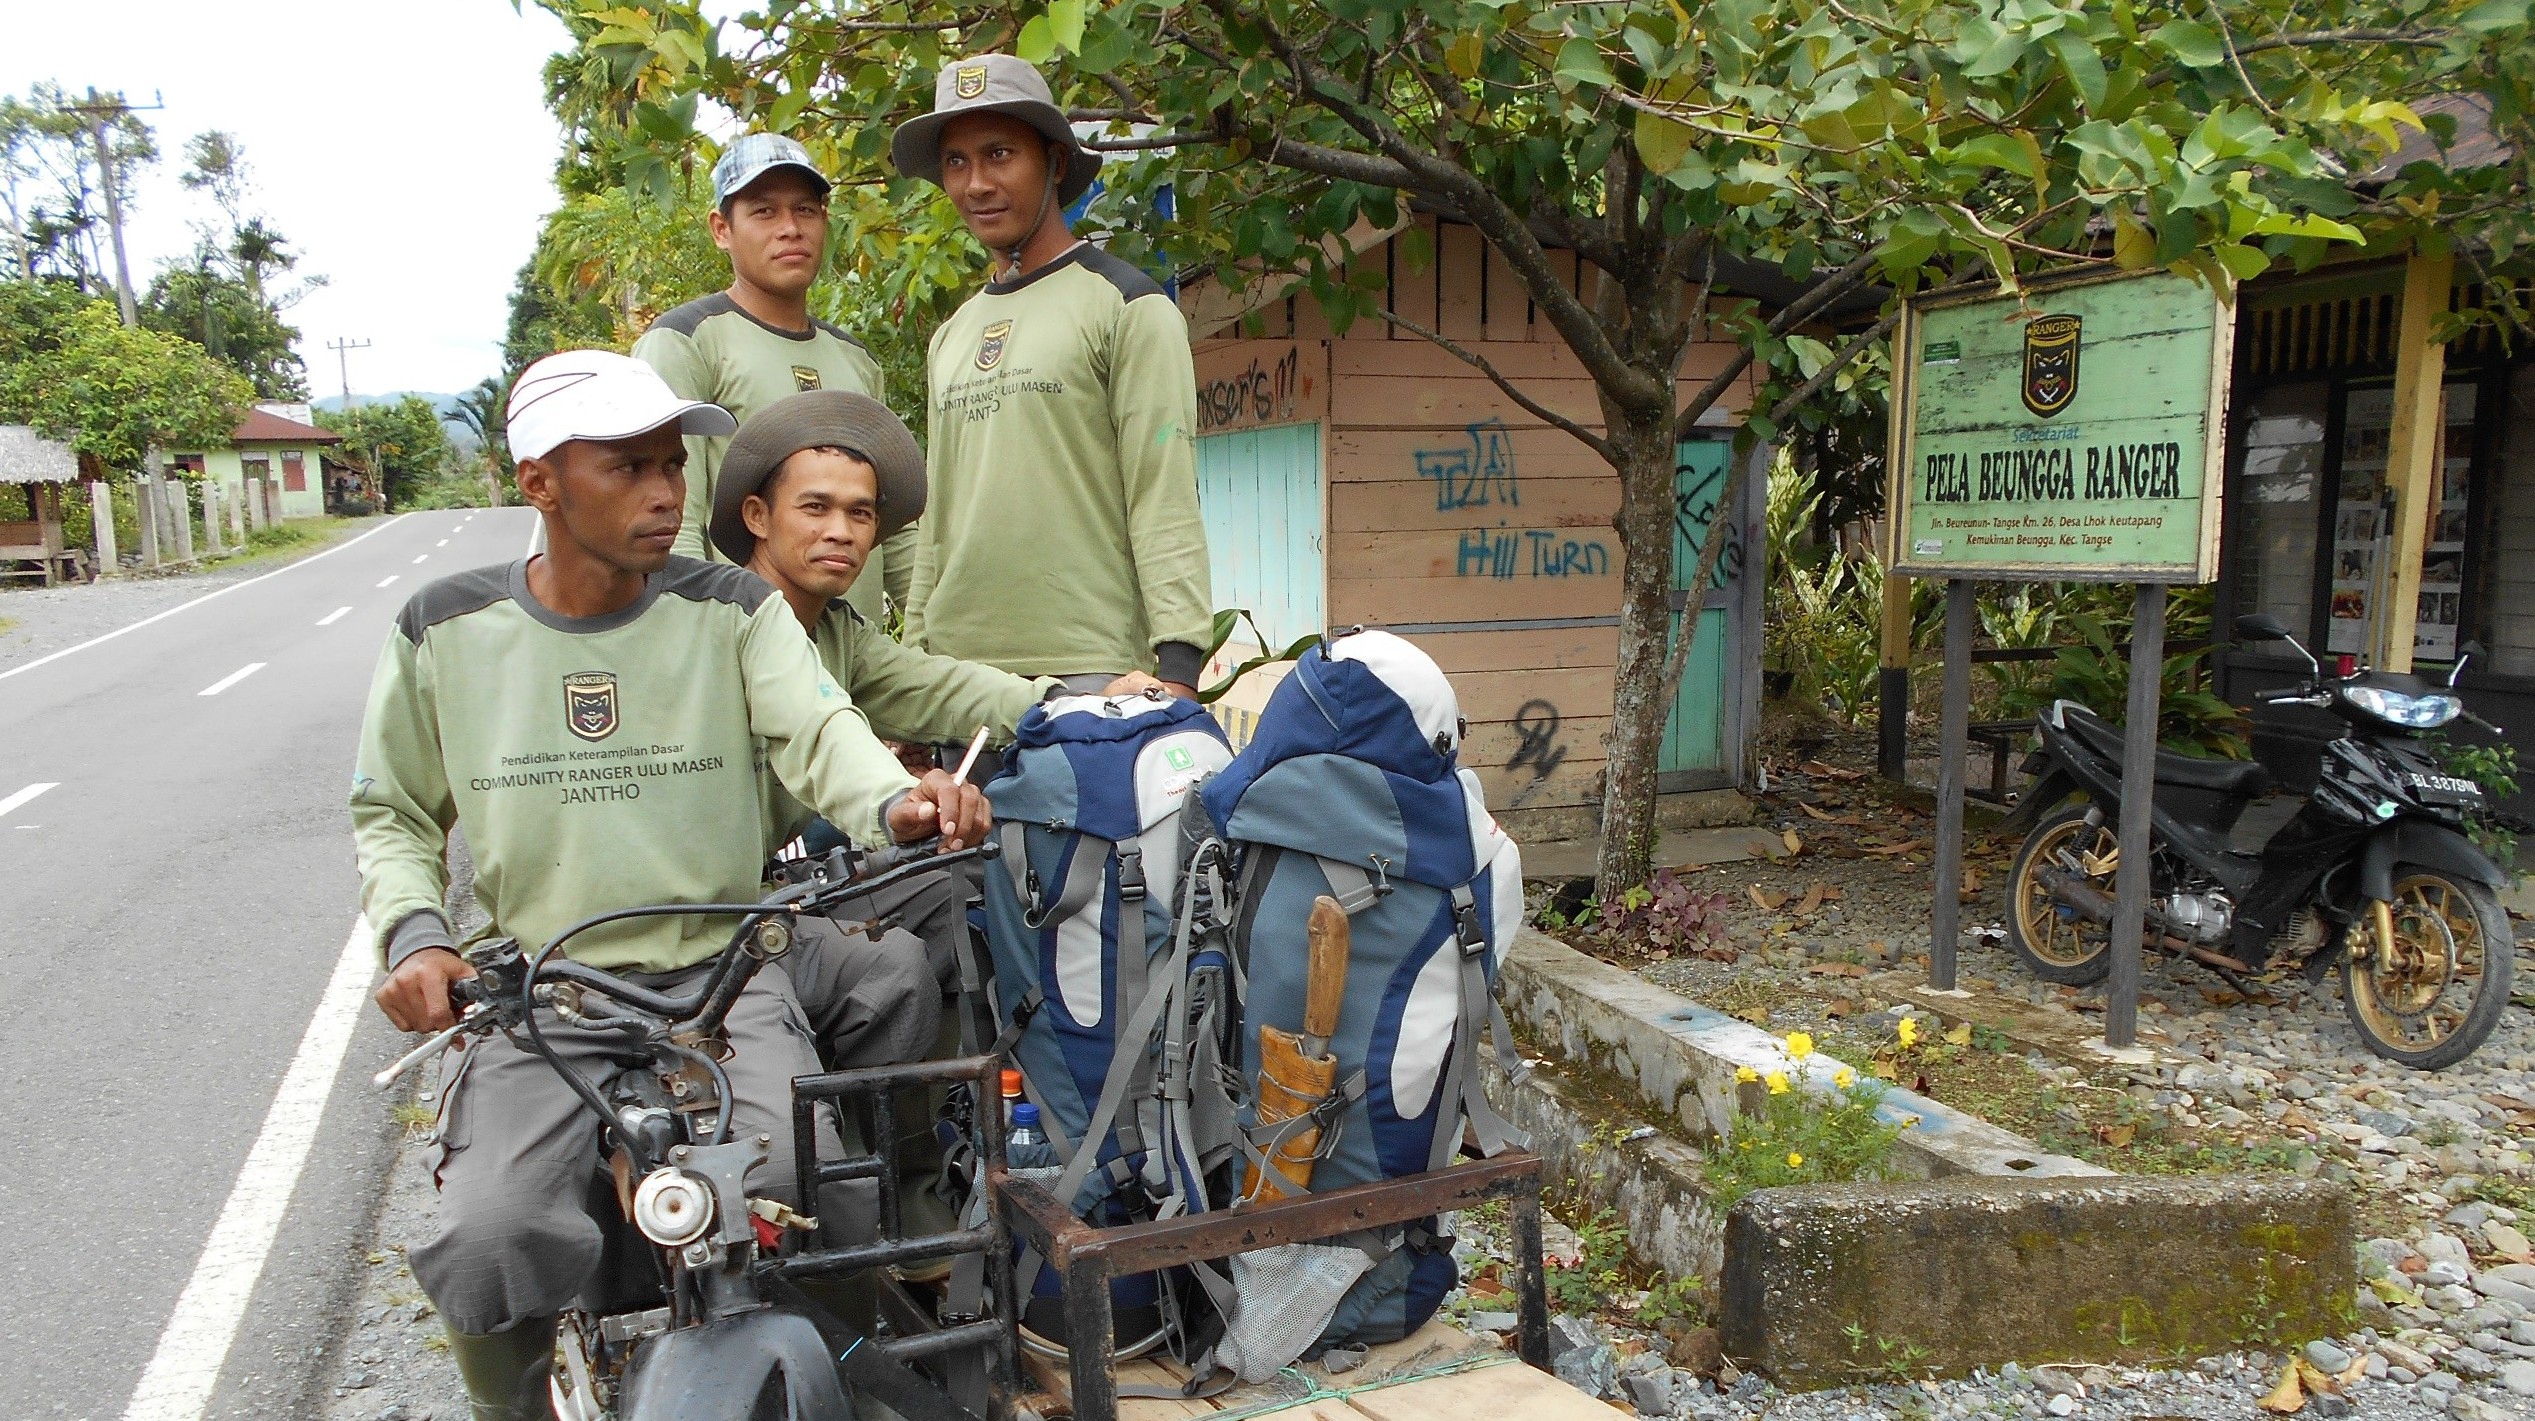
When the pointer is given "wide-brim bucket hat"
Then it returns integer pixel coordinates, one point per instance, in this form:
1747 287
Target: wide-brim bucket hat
992 83
816 419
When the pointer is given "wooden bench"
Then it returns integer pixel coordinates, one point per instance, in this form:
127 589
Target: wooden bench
2001 738
30 549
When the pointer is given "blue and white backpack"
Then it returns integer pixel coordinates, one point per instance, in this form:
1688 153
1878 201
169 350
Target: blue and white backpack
1097 978
1349 788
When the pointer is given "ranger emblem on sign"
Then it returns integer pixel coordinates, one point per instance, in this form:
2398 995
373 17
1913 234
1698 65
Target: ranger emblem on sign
2050 364
589 704
990 348
969 80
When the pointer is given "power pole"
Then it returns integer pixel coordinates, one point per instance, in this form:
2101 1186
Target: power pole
343 349
97 111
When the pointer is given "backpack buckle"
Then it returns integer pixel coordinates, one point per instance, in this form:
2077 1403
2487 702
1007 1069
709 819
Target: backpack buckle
1465 924
1131 887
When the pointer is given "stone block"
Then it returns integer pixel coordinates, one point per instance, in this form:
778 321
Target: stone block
1965 1272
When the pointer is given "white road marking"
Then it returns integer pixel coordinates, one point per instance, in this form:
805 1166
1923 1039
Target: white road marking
441 544
423 557
181 606
22 796
329 619
391 577
177 1384
233 678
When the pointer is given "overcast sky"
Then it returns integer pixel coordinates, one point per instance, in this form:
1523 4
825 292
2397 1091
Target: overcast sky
402 150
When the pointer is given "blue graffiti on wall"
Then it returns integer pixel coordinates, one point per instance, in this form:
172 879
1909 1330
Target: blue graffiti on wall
1479 474
1529 552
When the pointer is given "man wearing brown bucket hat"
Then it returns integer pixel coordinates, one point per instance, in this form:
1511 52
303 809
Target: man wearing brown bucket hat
1062 535
810 484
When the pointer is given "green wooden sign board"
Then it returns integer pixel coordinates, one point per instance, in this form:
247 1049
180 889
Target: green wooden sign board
2067 432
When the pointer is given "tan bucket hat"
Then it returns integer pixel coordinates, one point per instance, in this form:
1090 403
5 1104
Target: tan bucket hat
815 419
992 83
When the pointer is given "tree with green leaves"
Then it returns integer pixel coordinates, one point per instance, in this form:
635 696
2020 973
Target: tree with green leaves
50 194
1849 146
222 297
71 368
401 443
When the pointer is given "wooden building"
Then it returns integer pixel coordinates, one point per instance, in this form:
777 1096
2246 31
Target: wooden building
39 469
1374 478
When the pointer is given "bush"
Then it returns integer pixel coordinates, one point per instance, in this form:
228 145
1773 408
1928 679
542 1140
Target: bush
1798 1137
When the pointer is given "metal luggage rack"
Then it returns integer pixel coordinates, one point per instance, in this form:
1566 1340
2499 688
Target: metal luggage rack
1085 1257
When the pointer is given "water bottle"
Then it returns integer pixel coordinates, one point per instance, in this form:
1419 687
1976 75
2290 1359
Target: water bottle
1027 1153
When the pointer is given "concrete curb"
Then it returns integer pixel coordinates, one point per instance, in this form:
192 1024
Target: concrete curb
1993 1250
1681 1057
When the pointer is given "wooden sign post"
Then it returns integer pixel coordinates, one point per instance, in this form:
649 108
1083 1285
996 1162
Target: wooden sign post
2070 431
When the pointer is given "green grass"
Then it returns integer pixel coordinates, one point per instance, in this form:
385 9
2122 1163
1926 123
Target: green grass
281 541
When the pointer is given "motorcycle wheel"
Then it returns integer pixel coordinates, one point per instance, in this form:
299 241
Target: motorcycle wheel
2056 944
2447 981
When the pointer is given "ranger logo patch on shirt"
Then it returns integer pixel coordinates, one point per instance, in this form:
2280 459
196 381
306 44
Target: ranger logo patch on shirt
589 704
805 378
990 348
969 81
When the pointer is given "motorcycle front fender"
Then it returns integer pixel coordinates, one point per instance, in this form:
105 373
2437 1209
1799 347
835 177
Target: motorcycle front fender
2428 844
722 1368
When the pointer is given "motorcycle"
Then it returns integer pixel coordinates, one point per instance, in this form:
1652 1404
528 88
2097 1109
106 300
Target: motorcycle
2374 872
696 1330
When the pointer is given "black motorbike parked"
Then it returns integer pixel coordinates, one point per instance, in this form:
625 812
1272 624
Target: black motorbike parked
2374 871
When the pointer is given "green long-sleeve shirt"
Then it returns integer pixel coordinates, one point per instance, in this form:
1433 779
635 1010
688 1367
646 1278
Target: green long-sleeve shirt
598 762
907 695
710 349
1061 532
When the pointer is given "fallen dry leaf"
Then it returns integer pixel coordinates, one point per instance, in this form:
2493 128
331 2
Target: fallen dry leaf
1844 1007
2117 1136
1821 771
1904 847
1971 883
1794 844
2288 1398
2316 1379
1850 820
1767 900
1812 903
1837 969
1960 1036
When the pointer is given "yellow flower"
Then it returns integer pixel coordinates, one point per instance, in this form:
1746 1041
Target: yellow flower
1777 1082
1845 1078
1799 1044
1746 1074
1909 1029
1794 1160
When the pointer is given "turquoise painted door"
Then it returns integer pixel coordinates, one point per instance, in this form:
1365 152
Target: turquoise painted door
1259 490
1694 737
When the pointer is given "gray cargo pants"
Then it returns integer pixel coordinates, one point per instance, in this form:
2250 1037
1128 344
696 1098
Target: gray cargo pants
877 1000
515 1154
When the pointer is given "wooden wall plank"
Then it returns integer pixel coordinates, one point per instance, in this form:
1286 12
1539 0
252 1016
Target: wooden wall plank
1511 552
1496 742
1375 455
1509 305
1398 401
1517 360
1569 784
1460 257
1371 328
1394 505
1413 286
1383 600
1309 323
1522 649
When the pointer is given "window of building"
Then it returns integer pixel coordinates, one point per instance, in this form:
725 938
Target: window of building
2510 617
294 471
2280 491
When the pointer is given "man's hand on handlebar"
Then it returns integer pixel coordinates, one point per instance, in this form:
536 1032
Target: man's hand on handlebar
940 805
416 994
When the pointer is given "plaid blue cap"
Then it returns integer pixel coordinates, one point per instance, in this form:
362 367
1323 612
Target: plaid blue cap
754 155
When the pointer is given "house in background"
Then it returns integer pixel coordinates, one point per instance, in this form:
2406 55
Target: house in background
39 469
278 443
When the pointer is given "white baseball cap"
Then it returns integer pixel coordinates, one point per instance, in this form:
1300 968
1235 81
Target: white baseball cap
598 394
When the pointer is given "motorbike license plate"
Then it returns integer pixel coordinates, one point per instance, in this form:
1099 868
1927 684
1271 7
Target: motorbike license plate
2446 787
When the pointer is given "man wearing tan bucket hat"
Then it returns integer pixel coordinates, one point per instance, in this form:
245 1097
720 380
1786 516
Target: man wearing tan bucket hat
1062 535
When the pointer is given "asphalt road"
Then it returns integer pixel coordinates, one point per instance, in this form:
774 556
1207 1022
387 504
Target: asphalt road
173 912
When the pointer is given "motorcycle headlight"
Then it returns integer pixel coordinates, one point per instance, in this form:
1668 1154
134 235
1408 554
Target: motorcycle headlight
2417 712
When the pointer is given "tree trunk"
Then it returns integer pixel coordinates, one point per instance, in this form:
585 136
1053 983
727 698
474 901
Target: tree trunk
1643 446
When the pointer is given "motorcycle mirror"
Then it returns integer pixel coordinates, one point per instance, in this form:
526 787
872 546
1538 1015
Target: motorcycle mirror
2464 653
2261 626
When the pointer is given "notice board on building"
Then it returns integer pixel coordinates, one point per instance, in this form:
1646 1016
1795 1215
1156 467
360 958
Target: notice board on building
2069 431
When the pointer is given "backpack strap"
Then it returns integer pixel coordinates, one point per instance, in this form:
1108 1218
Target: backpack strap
1130 1058
1354 889
1463 1085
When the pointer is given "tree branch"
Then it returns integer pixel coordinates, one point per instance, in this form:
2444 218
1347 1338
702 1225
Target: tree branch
1857 345
1838 284
1586 436
1478 205
1158 140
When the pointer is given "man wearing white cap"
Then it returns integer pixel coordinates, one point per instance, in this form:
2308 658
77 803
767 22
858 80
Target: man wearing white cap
753 343
590 716
1061 535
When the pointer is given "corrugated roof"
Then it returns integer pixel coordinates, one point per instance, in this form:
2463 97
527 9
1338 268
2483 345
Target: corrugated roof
2476 146
27 457
265 427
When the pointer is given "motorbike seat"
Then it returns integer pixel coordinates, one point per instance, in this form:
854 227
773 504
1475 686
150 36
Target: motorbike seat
2229 777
